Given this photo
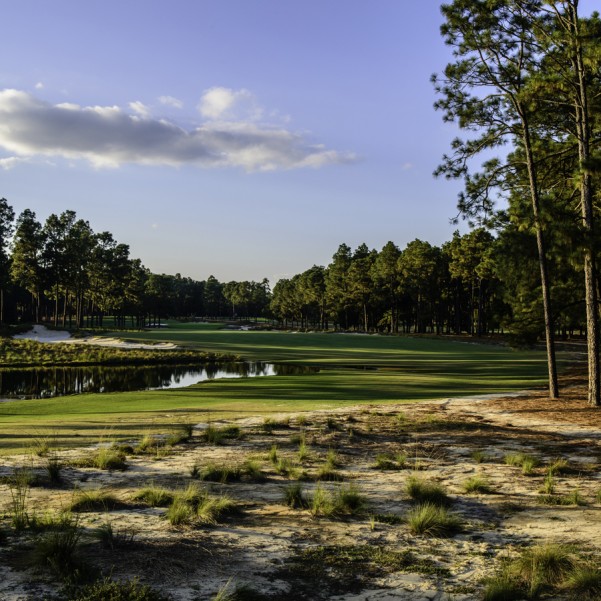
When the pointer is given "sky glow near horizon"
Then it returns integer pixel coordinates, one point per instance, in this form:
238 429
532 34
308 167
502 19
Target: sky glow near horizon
239 138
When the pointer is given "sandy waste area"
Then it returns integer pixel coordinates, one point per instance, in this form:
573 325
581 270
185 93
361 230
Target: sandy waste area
289 553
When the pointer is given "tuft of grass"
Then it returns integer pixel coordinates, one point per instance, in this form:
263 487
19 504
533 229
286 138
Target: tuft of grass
430 519
426 491
502 587
111 538
108 590
479 456
294 496
558 467
543 567
154 496
548 484
332 423
212 509
273 454
179 513
328 474
106 458
19 486
223 473
348 500
149 443
94 500
54 467
573 498
57 550
40 446
389 461
527 462
584 583
477 484
345 500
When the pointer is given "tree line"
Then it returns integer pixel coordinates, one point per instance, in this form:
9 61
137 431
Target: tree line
62 272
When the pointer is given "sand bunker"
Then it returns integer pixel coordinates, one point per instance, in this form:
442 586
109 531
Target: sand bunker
43 334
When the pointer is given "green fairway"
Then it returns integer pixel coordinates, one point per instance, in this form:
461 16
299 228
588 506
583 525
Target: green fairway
398 369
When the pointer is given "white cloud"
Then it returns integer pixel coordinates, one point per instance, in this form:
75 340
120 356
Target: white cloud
109 137
10 162
39 85
407 166
140 108
171 101
225 103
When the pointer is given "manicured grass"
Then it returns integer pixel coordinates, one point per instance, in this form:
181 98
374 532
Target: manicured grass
408 369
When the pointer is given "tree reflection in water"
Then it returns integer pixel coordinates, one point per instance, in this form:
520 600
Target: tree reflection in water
60 381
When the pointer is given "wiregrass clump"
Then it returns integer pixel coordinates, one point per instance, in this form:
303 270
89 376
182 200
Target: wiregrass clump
342 501
544 568
154 496
477 484
94 500
422 490
431 519
194 505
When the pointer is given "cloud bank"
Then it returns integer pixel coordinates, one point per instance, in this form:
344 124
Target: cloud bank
109 137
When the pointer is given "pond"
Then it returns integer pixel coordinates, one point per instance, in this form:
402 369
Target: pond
36 383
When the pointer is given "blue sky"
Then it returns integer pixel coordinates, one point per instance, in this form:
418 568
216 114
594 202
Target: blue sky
239 138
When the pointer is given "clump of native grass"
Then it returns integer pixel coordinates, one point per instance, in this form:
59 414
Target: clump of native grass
391 461
479 456
154 496
248 470
431 519
194 505
295 496
57 550
105 458
422 490
96 499
342 501
19 487
546 568
183 432
477 484
528 463
113 538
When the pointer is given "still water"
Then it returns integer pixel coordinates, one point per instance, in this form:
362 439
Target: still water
59 381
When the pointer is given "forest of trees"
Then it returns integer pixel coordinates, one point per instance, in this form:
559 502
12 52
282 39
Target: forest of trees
525 88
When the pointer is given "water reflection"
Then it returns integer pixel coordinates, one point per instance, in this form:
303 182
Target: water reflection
60 381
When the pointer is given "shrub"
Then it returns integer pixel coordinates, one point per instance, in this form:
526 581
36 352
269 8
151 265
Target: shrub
432 520
426 491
